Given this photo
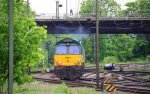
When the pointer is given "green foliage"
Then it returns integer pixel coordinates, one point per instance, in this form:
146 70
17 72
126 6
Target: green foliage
117 45
85 90
106 7
148 58
138 60
142 42
142 45
88 45
124 47
139 6
3 43
110 59
46 88
27 36
62 89
33 88
147 76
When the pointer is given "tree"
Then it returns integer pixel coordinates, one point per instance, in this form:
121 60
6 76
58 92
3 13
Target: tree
106 7
110 45
141 48
141 7
142 43
116 45
120 46
27 36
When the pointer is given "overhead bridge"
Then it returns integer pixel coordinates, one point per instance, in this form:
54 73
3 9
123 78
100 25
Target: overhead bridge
107 25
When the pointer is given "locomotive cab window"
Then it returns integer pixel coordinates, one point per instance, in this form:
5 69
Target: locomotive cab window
74 49
61 49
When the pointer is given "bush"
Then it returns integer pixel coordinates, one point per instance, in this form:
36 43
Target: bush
142 59
110 59
148 58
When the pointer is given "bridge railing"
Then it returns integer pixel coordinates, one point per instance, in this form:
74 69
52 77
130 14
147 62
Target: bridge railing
89 15
61 16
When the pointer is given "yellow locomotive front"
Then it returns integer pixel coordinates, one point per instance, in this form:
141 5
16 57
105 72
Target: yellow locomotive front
68 59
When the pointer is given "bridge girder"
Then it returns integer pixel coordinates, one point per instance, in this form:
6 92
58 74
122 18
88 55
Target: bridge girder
88 26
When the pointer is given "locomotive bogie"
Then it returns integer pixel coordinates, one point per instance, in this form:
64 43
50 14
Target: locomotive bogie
71 73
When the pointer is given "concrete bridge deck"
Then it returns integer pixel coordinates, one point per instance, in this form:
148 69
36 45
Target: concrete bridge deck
87 25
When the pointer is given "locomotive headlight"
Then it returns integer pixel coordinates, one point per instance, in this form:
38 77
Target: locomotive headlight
58 63
77 63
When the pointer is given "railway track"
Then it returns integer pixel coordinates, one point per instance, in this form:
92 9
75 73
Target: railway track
127 84
131 80
135 90
129 87
127 66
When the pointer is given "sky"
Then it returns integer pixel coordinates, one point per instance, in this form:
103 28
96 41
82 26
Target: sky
49 6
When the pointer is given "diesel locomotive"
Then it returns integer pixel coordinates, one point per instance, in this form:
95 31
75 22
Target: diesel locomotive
69 59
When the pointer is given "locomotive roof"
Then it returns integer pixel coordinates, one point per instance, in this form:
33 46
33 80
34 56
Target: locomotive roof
67 40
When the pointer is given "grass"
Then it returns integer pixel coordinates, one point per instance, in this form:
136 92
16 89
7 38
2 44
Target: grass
142 69
94 64
90 64
37 69
130 62
62 89
46 88
4 88
34 88
147 77
33 69
84 90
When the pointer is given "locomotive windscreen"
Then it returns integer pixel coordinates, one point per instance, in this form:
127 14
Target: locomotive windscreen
74 49
61 49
